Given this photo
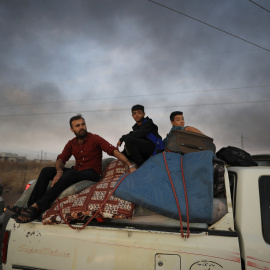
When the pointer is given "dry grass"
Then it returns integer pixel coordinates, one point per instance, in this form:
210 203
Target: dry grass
15 175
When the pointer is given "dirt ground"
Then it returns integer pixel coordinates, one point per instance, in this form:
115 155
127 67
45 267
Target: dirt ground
16 175
10 198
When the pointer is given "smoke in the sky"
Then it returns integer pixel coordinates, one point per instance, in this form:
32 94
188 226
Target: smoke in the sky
59 58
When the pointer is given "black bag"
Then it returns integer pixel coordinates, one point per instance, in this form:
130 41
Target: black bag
235 156
183 142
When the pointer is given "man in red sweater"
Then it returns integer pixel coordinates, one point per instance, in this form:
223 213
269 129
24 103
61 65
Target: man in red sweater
87 149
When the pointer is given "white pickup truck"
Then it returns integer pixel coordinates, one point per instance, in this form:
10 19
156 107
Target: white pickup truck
239 240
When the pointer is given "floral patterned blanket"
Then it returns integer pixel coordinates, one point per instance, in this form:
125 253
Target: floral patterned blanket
83 205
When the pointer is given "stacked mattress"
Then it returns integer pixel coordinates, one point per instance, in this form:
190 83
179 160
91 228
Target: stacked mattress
150 186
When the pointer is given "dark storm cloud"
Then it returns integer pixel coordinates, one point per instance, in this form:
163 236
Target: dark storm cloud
167 33
103 20
62 50
13 96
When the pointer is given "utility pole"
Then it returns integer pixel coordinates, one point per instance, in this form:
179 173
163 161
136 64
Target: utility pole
41 155
242 142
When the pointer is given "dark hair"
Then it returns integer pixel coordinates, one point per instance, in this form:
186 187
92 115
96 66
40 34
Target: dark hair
137 108
173 114
76 117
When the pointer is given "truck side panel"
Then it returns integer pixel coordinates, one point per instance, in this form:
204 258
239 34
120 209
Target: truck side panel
114 248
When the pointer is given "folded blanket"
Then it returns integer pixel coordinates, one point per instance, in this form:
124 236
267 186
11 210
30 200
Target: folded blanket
83 205
150 187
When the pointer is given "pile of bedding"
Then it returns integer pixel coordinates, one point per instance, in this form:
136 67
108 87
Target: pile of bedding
150 187
83 205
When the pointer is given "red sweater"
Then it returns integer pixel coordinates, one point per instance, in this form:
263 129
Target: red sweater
88 155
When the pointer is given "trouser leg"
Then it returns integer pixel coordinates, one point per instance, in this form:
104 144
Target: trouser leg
69 178
139 149
43 180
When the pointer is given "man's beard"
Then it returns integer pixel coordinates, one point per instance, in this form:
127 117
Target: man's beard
82 134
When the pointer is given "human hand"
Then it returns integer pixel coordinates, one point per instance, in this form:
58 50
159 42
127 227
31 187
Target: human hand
119 144
56 178
132 169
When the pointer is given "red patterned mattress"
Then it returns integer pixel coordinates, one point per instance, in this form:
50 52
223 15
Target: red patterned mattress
84 205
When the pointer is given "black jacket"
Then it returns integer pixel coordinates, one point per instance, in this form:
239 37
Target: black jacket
142 130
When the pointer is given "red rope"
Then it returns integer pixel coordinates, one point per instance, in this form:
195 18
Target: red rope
88 221
176 199
186 198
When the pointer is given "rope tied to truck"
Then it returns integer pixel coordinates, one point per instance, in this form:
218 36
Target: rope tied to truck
176 199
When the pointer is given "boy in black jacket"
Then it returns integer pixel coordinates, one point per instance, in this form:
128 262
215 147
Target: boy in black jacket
144 140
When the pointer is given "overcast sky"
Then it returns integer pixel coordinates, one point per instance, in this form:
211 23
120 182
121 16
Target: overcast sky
100 57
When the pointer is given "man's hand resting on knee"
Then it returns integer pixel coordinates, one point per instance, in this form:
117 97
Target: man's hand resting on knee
57 177
59 166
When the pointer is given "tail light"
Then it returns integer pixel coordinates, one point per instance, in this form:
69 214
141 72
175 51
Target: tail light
5 246
27 186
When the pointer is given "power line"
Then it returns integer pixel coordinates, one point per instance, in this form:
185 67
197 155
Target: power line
135 96
157 107
259 5
219 29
